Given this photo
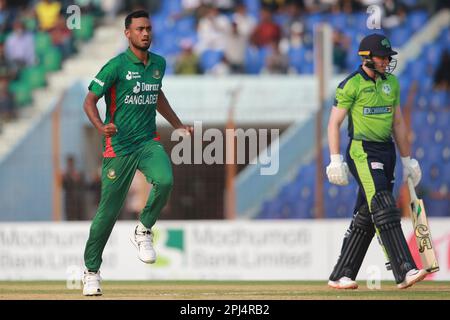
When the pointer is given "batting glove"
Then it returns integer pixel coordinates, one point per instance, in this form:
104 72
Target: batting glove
337 170
411 168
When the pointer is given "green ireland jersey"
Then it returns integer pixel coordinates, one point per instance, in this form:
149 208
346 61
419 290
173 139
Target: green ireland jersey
131 94
370 104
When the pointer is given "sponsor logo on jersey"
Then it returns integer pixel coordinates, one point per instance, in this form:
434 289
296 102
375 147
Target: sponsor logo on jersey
145 87
132 75
377 110
137 88
141 99
386 89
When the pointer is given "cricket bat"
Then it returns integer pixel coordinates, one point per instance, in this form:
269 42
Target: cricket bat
422 231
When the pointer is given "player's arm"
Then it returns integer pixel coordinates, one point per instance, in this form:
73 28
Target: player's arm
101 83
400 133
164 108
411 167
90 108
337 170
337 116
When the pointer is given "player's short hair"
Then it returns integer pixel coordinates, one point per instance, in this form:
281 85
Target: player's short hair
135 14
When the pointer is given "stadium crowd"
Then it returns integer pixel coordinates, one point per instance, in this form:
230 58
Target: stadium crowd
218 37
35 40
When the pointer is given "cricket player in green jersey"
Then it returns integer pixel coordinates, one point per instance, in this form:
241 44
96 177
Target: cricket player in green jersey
370 97
132 86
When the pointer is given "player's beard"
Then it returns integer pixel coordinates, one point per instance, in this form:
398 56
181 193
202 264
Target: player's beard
142 47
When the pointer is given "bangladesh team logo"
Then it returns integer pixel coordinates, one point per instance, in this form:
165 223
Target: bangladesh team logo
111 174
156 74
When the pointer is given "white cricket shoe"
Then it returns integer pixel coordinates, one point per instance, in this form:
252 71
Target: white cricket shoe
412 276
142 238
343 283
91 284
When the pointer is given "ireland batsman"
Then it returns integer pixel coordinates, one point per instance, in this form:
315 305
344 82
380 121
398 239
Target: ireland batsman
371 98
131 83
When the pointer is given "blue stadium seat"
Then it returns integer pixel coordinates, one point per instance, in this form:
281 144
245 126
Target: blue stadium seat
443 120
255 59
270 210
439 100
253 7
437 207
418 69
161 23
422 101
308 66
405 80
400 36
302 210
186 26
438 136
313 19
281 19
166 44
445 38
409 3
417 20
171 7
424 134
432 54
360 21
425 84
353 60
338 21
209 58
296 58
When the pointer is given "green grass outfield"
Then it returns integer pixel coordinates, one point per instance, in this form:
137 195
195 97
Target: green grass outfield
223 290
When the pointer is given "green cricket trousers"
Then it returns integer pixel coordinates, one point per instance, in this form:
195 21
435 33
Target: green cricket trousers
117 175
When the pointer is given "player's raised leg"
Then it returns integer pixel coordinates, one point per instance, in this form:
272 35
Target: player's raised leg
156 166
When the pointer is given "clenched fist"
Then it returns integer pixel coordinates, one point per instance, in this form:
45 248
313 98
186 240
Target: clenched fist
108 130
337 170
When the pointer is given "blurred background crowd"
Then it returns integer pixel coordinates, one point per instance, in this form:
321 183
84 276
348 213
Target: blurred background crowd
224 37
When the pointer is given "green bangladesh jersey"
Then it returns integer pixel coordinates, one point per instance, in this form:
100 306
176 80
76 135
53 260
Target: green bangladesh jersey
131 94
370 104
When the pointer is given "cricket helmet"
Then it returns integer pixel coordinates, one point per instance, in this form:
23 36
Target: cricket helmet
377 45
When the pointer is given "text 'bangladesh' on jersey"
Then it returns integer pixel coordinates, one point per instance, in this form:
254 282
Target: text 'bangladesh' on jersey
370 104
131 94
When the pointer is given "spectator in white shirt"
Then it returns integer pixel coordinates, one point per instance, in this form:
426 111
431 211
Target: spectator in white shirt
212 29
19 46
